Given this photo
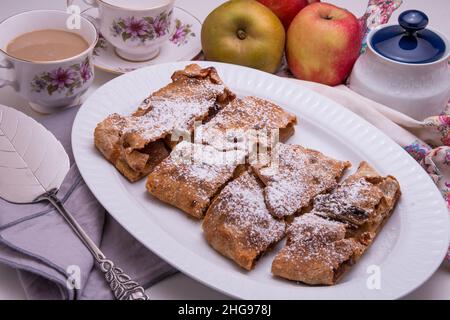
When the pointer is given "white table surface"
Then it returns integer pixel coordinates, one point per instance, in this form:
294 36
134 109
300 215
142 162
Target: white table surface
180 286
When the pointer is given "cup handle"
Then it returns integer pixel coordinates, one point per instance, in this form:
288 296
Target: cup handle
3 82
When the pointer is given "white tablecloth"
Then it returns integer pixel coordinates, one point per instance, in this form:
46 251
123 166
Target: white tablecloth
180 286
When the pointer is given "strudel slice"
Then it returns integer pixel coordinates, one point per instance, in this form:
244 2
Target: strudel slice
322 244
238 224
131 163
295 176
316 251
192 175
364 201
134 144
238 124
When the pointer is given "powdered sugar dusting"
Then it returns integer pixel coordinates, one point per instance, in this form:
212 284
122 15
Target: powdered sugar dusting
199 164
235 126
177 109
242 203
352 201
285 187
300 175
312 238
168 115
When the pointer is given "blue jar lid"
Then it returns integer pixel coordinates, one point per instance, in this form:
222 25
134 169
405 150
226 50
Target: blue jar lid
409 42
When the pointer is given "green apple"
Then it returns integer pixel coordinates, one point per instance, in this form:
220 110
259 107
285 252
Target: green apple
244 32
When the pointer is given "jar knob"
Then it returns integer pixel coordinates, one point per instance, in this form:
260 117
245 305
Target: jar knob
413 20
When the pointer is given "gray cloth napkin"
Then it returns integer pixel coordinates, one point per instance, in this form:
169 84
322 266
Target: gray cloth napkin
36 240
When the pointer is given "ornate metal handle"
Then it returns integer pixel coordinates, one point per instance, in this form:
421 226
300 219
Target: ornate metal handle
120 283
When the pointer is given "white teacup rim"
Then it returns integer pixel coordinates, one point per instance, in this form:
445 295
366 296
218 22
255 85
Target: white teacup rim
167 2
91 46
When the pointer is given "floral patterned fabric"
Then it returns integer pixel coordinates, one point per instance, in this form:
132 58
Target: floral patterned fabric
378 12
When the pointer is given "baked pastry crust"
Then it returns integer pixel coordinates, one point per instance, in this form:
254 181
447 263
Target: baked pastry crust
296 175
364 201
237 125
134 144
131 163
192 175
316 252
323 244
238 224
244 211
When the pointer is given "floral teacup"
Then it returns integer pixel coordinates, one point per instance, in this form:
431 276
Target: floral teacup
47 85
136 28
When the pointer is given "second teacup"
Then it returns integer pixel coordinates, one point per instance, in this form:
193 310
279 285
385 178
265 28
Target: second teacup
136 28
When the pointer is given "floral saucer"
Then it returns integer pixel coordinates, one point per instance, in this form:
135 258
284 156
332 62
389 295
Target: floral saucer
184 44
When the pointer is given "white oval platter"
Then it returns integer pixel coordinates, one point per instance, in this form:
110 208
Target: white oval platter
407 251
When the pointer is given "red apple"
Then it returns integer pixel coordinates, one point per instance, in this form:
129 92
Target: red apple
323 43
285 10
